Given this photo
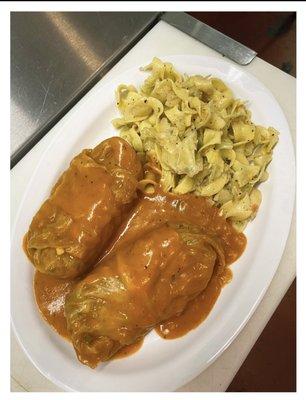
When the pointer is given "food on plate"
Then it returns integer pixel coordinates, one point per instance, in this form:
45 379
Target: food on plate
139 232
50 294
86 205
142 285
199 137
163 258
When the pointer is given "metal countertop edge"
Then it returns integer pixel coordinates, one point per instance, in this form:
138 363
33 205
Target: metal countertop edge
209 36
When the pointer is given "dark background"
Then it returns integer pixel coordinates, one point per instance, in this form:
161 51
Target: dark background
271 364
271 34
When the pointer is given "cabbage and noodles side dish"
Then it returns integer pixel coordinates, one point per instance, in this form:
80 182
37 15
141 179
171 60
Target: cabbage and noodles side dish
193 135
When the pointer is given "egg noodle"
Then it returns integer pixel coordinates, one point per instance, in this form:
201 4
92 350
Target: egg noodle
193 136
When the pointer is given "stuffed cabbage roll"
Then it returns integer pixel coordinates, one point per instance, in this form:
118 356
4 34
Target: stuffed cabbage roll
72 227
137 287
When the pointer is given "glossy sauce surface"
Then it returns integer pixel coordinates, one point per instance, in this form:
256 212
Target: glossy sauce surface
50 294
85 207
152 212
197 309
141 285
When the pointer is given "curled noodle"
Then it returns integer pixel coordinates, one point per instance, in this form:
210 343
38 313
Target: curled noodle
194 136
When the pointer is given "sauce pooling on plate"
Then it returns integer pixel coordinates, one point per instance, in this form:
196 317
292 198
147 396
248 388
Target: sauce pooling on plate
50 294
197 309
151 213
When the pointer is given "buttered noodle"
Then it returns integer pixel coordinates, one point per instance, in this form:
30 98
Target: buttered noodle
194 136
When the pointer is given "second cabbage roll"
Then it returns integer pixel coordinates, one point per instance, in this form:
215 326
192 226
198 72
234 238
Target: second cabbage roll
86 205
139 286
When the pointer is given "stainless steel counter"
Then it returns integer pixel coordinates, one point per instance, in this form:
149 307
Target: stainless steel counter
56 58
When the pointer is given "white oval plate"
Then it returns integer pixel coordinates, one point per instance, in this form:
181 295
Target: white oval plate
160 365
